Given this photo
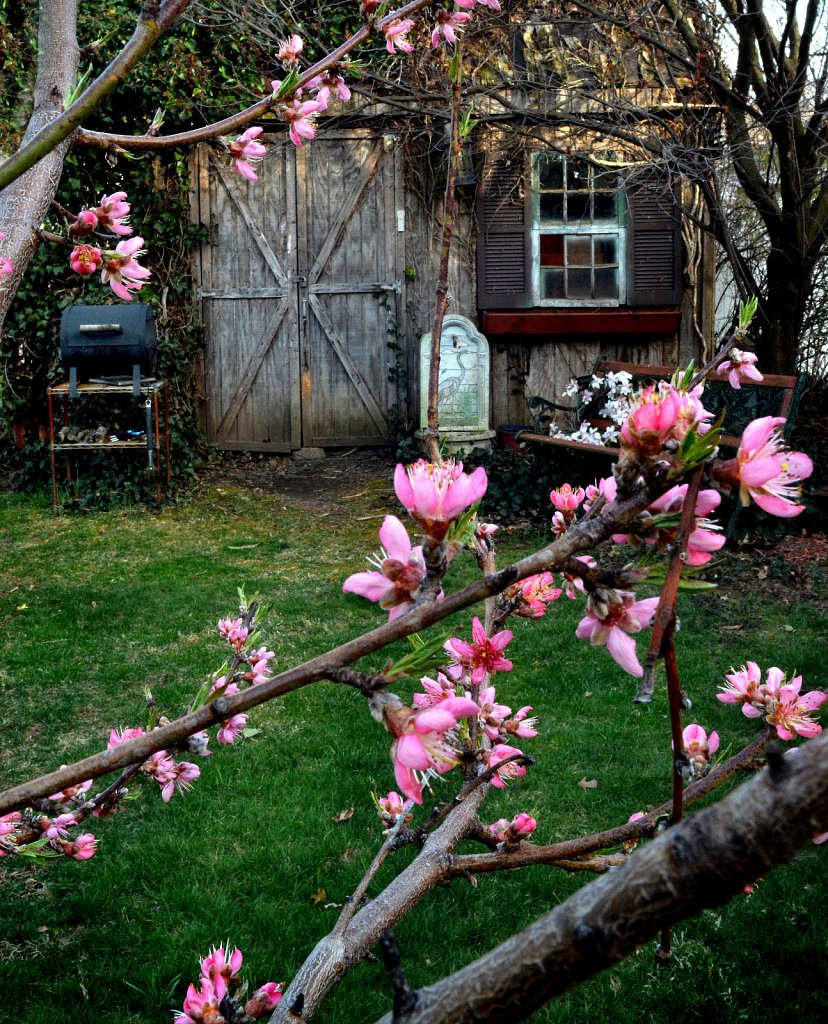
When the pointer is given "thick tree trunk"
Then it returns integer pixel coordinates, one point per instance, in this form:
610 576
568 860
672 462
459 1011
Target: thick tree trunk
782 312
24 203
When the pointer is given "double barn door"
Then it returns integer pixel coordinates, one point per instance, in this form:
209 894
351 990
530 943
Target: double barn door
300 289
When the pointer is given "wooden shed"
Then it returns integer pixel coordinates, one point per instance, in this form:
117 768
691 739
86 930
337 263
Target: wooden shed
317 281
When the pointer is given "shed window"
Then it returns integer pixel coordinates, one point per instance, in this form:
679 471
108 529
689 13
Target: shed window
559 230
577 232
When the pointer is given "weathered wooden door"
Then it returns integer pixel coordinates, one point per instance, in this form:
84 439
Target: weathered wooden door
300 287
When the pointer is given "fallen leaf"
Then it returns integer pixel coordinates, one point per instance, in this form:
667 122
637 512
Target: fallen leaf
318 896
788 629
344 815
588 693
586 783
22 607
730 627
763 572
250 733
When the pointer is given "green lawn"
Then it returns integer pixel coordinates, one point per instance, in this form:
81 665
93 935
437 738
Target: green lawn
95 609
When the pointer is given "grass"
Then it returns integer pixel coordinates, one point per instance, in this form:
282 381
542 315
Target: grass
95 609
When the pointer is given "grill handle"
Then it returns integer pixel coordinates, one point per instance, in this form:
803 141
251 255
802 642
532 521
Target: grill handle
100 328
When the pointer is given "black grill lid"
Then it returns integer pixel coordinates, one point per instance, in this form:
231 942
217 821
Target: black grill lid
108 339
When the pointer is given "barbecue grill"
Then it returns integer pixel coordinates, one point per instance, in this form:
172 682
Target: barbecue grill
116 343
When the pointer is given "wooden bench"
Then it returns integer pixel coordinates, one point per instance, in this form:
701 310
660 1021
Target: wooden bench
776 395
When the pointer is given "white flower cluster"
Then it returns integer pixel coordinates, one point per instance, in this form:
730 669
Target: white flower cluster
615 390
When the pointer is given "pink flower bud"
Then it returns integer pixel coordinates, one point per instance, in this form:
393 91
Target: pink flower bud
264 999
83 847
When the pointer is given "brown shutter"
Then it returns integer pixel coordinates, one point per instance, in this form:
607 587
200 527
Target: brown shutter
654 271
504 271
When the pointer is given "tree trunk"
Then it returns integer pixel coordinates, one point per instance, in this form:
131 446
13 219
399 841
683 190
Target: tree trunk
782 312
25 203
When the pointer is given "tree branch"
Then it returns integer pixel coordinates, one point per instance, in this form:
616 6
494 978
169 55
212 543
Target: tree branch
704 862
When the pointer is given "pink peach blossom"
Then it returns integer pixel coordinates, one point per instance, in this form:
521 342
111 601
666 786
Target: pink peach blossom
244 149
9 822
395 35
390 807
768 472
289 50
179 776
739 366
437 493
234 632
511 770
436 691
401 571
118 736
301 117
329 82
788 710
744 688
420 745
699 747
122 271
111 214
572 582
63 796
521 726
222 968
57 828
201 1005
661 414
512 832
448 24
565 499
484 655
534 594
85 223
704 538
777 700
491 714
231 729
85 259
623 616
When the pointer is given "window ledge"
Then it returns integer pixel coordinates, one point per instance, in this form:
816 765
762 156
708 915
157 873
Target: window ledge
592 321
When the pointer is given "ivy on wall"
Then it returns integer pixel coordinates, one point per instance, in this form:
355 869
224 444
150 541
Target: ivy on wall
206 73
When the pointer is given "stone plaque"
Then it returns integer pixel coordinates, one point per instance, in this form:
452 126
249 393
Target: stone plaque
463 402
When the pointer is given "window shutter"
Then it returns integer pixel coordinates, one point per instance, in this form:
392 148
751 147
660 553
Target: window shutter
654 271
504 218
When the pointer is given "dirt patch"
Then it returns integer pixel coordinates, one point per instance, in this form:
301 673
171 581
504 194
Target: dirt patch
794 570
318 484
